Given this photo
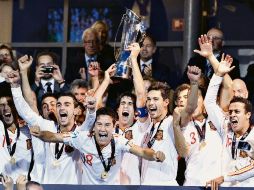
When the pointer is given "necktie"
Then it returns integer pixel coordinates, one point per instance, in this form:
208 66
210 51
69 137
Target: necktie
143 68
209 69
48 84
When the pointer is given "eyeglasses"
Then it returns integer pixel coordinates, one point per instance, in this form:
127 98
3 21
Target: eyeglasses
215 38
93 42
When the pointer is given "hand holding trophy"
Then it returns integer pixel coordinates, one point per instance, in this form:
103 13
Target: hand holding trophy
131 27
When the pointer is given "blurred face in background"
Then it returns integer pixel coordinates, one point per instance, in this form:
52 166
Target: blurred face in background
217 39
5 56
91 43
147 50
101 32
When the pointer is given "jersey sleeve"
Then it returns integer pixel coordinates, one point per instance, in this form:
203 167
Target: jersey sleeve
213 110
123 143
24 111
241 174
88 123
75 139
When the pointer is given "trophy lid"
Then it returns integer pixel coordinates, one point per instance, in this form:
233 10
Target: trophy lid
132 16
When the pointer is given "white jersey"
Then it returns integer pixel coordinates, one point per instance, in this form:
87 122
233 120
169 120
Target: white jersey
22 155
203 156
47 169
161 173
92 164
130 174
237 171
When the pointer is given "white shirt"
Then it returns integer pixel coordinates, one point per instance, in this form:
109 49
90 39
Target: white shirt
238 171
22 153
161 173
147 63
68 171
202 159
92 165
130 174
43 83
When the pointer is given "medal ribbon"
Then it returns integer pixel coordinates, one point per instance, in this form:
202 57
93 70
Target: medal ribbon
12 149
201 130
151 141
58 153
106 167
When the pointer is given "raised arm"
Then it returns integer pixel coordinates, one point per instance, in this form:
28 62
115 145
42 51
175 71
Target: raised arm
194 74
47 136
23 109
181 145
138 82
206 51
24 64
147 153
105 83
213 110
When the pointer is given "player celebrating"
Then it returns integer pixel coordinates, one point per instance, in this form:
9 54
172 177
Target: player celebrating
102 151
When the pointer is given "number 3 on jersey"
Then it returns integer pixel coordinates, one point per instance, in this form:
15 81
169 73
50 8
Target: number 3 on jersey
193 139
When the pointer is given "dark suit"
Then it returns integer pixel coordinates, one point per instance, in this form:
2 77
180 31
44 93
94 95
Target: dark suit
39 91
201 62
76 60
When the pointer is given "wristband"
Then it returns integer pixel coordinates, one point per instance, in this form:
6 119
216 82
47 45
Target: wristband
142 112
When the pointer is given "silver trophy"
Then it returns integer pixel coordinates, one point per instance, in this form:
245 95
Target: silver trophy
132 25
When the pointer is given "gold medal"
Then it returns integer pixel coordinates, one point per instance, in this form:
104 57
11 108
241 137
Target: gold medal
202 144
56 163
104 175
13 161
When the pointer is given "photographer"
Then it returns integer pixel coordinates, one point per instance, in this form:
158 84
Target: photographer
48 77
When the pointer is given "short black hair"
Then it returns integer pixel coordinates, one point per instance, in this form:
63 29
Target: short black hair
5 46
46 95
164 88
53 55
76 104
128 94
246 102
106 111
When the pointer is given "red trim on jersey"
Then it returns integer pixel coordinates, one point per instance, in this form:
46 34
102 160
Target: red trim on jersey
242 170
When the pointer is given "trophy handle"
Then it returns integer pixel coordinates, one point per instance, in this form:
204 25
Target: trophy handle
116 54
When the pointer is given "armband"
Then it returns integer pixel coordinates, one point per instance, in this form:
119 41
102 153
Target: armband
142 112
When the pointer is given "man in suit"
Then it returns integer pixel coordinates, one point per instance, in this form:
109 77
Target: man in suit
79 61
48 77
205 66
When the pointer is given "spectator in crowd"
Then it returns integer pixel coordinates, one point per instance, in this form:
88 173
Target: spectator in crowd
48 77
79 89
217 37
7 56
78 64
105 49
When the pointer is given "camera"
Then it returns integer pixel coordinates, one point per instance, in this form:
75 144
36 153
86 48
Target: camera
48 69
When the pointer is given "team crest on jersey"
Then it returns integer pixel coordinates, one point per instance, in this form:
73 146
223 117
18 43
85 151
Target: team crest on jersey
28 144
87 159
243 154
159 135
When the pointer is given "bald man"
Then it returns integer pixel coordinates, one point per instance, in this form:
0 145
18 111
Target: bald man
239 88
217 37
